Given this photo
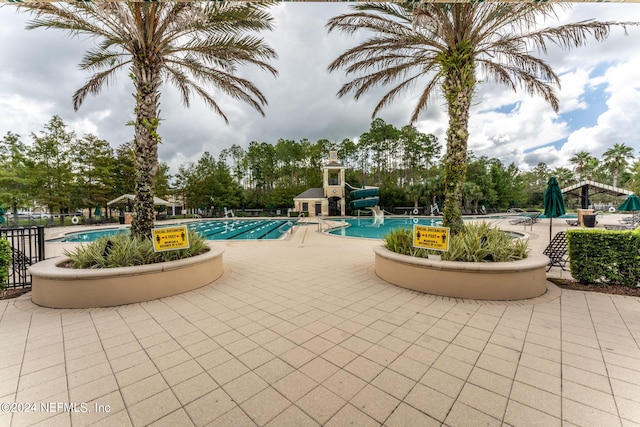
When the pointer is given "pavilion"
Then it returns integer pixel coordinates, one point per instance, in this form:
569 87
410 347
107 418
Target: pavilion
584 188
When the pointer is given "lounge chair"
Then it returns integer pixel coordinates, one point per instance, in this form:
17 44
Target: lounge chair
630 221
557 251
620 227
528 219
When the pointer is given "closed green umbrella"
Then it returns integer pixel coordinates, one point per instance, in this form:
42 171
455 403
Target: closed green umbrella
553 202
97 211
1 215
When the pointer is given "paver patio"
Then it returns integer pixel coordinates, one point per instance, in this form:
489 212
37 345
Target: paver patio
301 332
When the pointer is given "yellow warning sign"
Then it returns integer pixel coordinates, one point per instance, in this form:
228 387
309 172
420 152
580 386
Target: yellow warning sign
431 237
170 238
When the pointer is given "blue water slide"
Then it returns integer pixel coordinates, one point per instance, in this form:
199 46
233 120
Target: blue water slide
365 197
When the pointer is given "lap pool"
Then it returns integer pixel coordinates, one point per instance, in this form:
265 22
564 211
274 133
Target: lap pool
373 228
238 229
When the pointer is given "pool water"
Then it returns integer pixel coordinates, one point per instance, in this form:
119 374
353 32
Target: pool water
371 228
240 229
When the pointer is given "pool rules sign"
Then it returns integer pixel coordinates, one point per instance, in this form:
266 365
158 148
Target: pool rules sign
431 237
170 238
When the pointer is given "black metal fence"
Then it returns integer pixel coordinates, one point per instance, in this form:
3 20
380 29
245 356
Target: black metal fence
27 248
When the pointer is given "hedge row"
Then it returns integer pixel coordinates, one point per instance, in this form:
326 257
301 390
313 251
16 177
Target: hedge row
607 257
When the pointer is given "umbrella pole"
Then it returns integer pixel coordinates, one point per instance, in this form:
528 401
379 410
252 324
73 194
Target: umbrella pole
550 223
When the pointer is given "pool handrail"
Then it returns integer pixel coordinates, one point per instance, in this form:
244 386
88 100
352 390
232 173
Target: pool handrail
283 224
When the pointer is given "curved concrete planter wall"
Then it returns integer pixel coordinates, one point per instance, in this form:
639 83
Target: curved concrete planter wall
471 280
58 287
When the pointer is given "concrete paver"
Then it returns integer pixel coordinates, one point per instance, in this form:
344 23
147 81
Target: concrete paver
302 332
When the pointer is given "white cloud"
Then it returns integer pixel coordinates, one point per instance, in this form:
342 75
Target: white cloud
16 110
620 123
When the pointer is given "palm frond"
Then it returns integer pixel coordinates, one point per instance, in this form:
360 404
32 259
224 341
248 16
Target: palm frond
427 93
94 85
575 34
181 81
99 58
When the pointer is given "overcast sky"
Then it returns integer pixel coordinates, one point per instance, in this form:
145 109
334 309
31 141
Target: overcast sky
599 99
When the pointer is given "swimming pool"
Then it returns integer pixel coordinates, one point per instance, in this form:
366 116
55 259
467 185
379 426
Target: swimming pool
237 229
371 228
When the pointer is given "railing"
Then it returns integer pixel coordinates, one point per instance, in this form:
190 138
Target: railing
27 248
289 223
322 222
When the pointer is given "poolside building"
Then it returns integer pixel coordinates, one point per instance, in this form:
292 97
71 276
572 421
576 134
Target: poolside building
330 199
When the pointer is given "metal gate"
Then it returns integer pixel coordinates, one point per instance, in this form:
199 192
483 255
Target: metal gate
27 248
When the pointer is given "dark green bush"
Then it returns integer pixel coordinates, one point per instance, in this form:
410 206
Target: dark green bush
5 261
123 251
477 243
606 257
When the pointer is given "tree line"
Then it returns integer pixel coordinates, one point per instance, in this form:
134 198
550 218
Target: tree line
65 172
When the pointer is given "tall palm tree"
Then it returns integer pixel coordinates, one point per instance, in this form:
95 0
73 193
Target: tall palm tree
452 46
617 158
191 45
581 161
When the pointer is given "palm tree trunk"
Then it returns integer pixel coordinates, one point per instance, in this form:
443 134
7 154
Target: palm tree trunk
458 87
147 83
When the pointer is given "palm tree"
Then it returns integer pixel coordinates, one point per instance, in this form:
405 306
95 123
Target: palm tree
616 157
564 176
449 45
582 162
190 45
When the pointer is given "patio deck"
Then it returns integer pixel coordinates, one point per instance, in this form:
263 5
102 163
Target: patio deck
302 333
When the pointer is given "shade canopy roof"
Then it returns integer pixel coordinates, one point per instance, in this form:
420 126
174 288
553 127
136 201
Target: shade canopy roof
598 187
127 198
587 188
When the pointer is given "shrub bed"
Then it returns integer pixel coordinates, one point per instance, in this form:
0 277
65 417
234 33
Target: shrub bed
477 243
605 257
124 251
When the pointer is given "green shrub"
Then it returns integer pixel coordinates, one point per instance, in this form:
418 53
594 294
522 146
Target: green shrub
477 243
5 261
604 256
400 241
124 251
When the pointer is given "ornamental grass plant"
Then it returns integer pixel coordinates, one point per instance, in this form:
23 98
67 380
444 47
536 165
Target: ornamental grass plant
476 243
127 251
